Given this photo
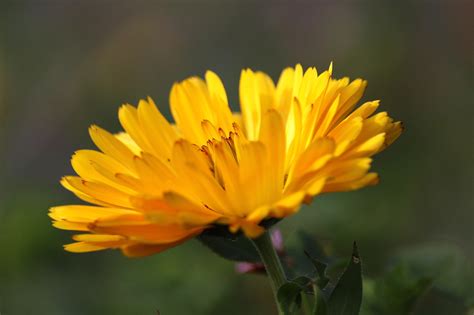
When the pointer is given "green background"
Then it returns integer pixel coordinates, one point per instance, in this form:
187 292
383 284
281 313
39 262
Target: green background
67 64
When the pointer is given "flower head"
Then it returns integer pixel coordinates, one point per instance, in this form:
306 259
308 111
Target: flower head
158 184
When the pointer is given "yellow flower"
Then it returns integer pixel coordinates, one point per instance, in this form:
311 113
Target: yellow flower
158 184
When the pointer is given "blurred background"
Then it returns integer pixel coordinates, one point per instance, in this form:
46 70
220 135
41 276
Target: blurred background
64 66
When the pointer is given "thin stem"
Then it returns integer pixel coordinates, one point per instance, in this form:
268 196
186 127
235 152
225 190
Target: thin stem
272 263
305 305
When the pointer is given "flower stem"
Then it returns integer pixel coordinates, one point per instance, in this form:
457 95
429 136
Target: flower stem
272 263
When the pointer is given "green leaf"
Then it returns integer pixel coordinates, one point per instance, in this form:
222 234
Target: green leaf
297 246
397 292
235 247
289 294
311 245
320 306
321 279
447 264
346 298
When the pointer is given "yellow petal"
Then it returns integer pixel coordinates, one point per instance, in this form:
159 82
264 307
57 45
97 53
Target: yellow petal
98 238
84 214
159 132
367 180
141 250
97 191
253 230
392 133
258 214
326 120
367 148
71 226
254 179
190 162
250 104
365 110
272 135
216 88
174 208
93 242
83 247
128 117
350 170
111 146
138 228
128 141
350 95
83 195
192 101
219 102
95 166
315 156
289 204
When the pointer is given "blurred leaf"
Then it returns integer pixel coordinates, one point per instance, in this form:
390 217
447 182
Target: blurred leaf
312 246
320 306
289 294
229 246
346 298
404 288
304 244
436 302
321 280
396 293
446 264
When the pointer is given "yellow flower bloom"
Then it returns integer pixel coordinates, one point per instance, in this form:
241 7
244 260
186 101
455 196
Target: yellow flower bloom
158 184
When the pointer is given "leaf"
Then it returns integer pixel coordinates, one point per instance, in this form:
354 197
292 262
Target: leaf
320 307
235 247
305 243
399 291
447 264
289 294
312 246
321 280
346 298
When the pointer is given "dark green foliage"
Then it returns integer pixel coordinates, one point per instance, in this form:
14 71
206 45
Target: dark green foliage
235 247
289 294
306 245
450 269
417 279
312 247
397 292
346 297
321 278
422 280
343 297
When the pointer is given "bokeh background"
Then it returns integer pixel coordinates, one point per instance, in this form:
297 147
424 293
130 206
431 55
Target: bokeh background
67 64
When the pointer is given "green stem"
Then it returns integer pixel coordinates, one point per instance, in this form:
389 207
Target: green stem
305 306
272 264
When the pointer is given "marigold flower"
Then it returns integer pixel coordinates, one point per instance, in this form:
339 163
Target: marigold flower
158 184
